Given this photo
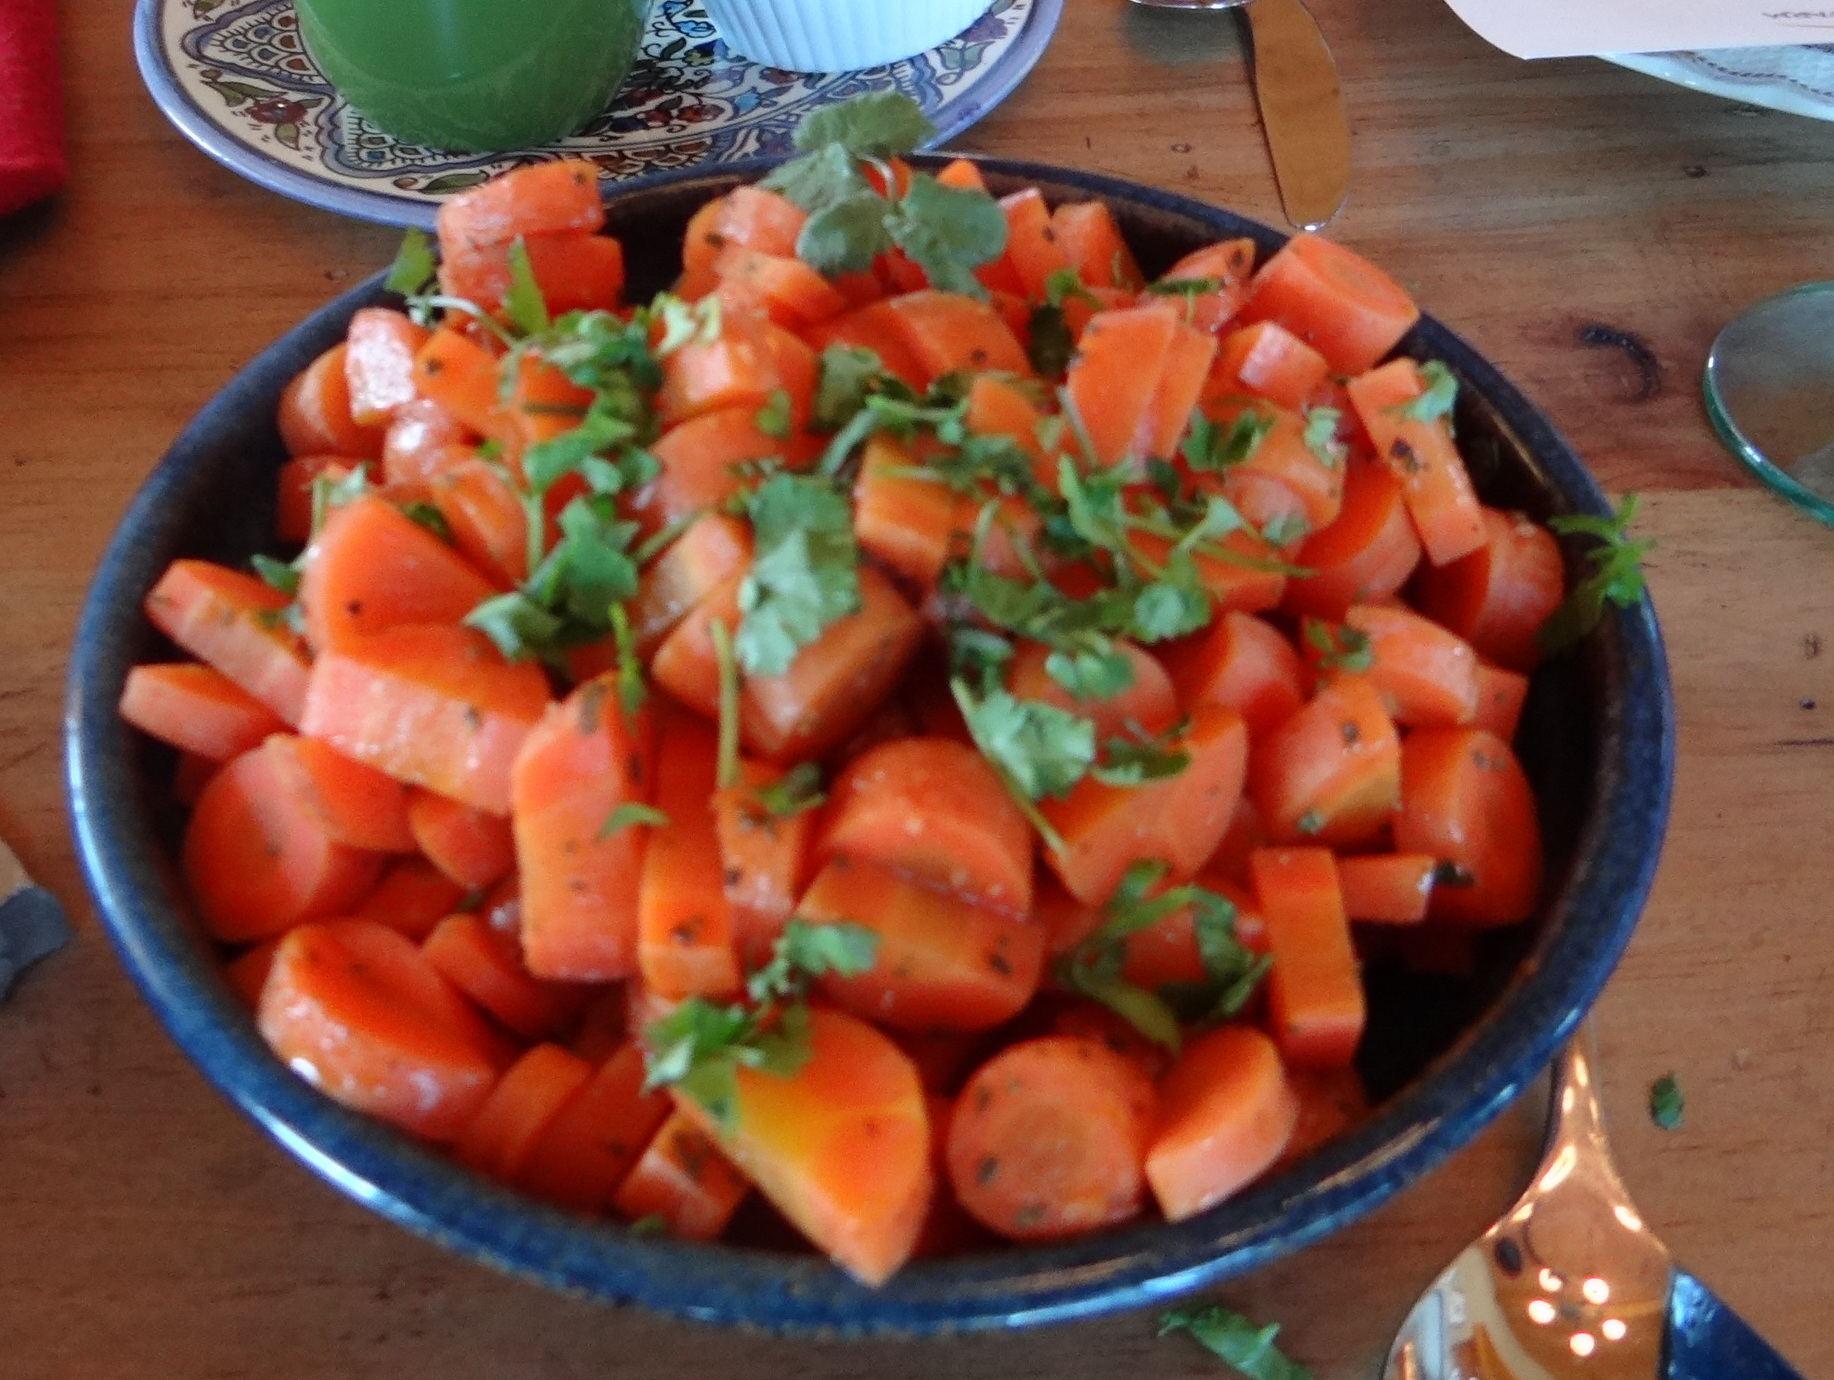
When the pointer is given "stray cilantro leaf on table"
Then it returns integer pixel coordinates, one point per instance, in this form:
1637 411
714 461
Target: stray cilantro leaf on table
1666 1104
1236 1341
1617 575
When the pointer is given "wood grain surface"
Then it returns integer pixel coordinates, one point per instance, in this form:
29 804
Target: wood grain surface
147 1230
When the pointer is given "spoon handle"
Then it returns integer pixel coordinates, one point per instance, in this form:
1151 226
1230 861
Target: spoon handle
1302 111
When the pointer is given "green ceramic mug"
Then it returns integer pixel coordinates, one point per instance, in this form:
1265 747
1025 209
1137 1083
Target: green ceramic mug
481 76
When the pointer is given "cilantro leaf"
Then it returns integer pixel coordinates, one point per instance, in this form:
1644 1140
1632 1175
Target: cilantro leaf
806 950
413 269
821 179
521 629
804 576
1145 1011
1617 575
1235 1340
1213 448
1048 344
1042 749
427 516
846 236
1438 394
631 812
1094 672
793 793
686 323
1666 1104
277 575
1126 762
1063 284
523 304
948 232
1285 529
1320 436
773 419
590 567
875 124
848 375
1173 605
1340 647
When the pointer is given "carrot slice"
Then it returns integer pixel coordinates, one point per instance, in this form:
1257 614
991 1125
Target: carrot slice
589 1146
196 709
486 518
741 368
259 862
702 463
484 963
685 941
1049 1139
574 271
1148 704
1167 950
1365 554
794 295
682 1181
371 567
1314 990
943 962
1331 772
1500 696
1282 454
473 848
1031 243
1391 888
230 621
1181 381
901 519
433 705
579 863
1427 676
749 216
412 897
948 333
763 858
190 777
1110 384
711 549
1224 268
1239 571
314 416
1243 663
998 407
841 1147
354 804
355 1010
1435 485
536 199
1332 298
1498 596
876 327
526 1098
1466 802
460 375
1226 1111
420 441
379 363
1091 242
294 486
1271 362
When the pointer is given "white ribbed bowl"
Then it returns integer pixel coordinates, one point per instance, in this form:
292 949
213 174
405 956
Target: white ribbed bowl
838 35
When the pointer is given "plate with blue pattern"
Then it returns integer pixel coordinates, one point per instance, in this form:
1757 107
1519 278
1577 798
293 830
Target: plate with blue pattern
235 79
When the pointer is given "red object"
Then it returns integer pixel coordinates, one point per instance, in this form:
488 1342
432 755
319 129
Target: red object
31 106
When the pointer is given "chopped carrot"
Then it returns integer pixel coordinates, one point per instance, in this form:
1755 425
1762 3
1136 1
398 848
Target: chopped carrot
354 804
412 897
1242 663
1110 384
1434 483
1426 675
488 523
257 859
1226 1111
685 940
703 462
1391 888
574 271
1365 554
536 199
293 491
942 962
683 1181
315 417
764 858
1147 704
1331 1101
1224 268
1500 697
1031 243
902 519
791 293
1332 298
588 1147
948 333
1049 1139
379 363
1466 802
486 965
231 621
196 709
1314 990
419 440
460 375
1332 772
506 1128
711 549
1092 245
473 848
356 1010
874 326
1269 361
1181 381
1498 596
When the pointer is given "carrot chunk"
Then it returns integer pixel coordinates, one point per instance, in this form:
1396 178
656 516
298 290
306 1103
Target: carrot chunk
764 856
379 363
948 333
1314 990
314 415
230 620
588 1147
1498 597
1388 887
685 941
1224 269
537 199
1147 704
1331 772
528 1096
1364 554
412 897
1434 483
1049 1139
1226 1111
1332 298
1110 384
196 709
468 845
484 963
682 1181
1242 663
354 804
1466 802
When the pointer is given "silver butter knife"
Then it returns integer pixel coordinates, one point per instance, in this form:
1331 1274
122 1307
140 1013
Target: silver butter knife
1302 106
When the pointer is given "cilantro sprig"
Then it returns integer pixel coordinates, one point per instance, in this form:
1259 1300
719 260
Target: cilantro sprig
1235 1340
1616 577
805 574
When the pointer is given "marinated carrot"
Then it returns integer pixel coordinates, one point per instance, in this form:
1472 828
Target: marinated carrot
682 1183
1110 384
231 621
1240 571
947 334
1332 772
354 804
420 439
841 1146
1223 269
1391 888
588 1147
380 345
1426 675
1434 484
1500 697
1333 299
710 549
764 855
460 375
686 944
943 963
486 965
1315 1004
1031 243
577 858
473 848
1498 597
935 811
431 705
901 519
1092 245
358 1012
196 709
489 526
1226 1111
574 271
529 1095
412 897
1466 802
1269 361
247 972
294 486
315 416
1181 381
1243 664
257 859
1365 554
790 292
875 326
1283 453
704 463
1049 1139
538 199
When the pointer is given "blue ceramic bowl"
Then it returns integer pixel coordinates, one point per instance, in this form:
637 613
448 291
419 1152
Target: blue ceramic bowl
1443 1057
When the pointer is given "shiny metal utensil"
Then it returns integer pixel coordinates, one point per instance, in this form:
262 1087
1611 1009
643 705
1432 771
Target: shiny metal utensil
1769 390
1302 106
1571 1282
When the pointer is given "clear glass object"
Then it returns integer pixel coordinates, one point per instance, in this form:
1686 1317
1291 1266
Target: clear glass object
1769 389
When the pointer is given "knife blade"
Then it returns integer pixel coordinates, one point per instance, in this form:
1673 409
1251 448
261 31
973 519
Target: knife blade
32 923
1708 1341
1302 110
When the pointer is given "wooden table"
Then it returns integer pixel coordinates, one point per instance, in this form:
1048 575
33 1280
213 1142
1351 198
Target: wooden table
147 1230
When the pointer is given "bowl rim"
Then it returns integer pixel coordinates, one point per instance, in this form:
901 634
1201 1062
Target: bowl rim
1591 917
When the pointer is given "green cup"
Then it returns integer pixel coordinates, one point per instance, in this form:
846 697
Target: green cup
478 76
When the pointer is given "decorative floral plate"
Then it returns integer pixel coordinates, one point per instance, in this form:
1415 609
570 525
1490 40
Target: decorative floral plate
236 80
1798 80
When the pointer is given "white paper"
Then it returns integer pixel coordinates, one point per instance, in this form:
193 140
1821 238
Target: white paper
1583 28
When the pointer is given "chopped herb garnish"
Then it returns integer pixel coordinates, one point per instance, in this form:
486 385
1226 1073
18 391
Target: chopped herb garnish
630 813
804 576
1097 671
277 575
427 516
1049 346
1309 823
523 305
1285 529
1235 1340
1617 575
1041 749
773 419
1185 287
1213 448
334 491
1320 436
1130 762
1436 398
796 791
1451 874
1340 647
1666 1103
650 1224
413 270
878 124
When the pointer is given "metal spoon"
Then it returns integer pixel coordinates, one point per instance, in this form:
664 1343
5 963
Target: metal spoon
1571 1282
1302 107
1769 389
